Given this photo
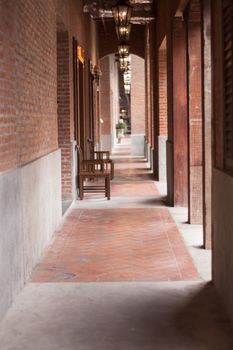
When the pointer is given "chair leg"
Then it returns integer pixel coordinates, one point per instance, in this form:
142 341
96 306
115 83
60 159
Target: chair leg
112 171
81 187
108 187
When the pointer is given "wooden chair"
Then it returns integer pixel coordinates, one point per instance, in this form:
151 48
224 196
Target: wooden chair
93 169
100 155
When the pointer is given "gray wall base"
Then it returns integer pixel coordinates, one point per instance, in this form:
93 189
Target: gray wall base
30 211
170 178
152 159
138 145
149 155
106 142
74 169
162 173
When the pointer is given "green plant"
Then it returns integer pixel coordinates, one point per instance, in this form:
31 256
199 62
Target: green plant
121 125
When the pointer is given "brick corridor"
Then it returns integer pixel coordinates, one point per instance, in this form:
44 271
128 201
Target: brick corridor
118 244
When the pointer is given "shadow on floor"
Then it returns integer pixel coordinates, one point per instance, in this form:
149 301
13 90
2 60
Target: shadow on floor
129 316
203 320
154 201
129 160
192 321
133 177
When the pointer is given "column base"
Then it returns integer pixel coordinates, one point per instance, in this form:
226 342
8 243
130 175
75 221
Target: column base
138 148
162 161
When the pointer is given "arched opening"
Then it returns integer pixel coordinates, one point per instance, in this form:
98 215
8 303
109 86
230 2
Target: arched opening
121 99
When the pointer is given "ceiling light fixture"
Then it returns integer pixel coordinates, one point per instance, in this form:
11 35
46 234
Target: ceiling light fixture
124 63
123 32
122 13
123 50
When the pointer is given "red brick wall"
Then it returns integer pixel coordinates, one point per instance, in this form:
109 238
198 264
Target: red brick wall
28 79
8 125
137 95
28 110
162 92
28 39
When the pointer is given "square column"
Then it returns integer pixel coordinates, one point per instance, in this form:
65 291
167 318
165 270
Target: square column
177 144
194 42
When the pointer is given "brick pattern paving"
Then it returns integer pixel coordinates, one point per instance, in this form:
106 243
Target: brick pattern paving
145 188
117 245
128 244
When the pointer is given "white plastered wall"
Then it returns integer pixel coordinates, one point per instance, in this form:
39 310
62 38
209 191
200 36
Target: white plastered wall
30 211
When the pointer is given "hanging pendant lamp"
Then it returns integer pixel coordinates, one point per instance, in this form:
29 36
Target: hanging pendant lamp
123 32
122 13
123 50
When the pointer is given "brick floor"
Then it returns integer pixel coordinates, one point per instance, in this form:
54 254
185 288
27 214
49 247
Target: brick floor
127 244
145 188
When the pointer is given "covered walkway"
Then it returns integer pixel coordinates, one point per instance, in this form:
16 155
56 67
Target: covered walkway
152 267
131 238
158 297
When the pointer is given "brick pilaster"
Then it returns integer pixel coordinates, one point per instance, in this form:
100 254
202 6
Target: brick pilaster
163 91
177 144
195 112
63 103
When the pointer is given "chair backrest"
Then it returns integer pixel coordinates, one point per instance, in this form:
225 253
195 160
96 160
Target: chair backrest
91 148
80 157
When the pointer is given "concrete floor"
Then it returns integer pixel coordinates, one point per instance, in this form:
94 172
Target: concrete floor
179 315
117 316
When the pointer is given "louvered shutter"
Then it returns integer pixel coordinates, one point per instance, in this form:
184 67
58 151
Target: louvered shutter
227 23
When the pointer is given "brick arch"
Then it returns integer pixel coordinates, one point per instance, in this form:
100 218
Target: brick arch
108 40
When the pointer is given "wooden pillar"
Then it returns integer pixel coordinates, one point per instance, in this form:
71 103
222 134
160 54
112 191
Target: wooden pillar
207 120
148 89
154 96
152 46
177 144
147 77
194 44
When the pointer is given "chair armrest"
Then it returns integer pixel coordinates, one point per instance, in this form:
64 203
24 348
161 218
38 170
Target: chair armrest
102 154
96 165
107 152
96 161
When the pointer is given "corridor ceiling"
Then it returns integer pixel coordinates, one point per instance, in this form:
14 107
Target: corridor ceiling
101 9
